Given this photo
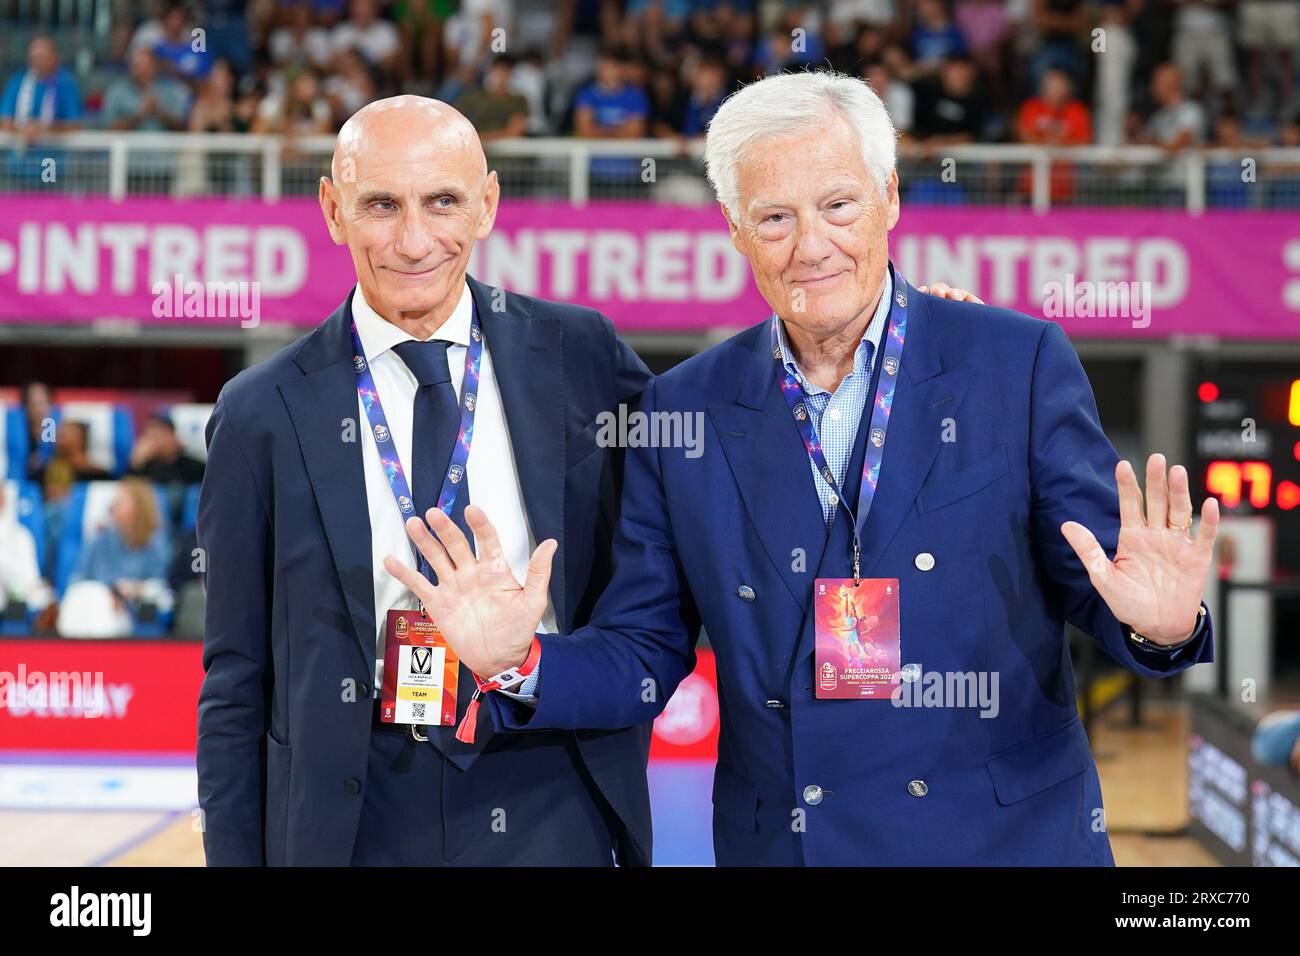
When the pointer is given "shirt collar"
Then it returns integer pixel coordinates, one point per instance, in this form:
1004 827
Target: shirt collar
378 335
873 334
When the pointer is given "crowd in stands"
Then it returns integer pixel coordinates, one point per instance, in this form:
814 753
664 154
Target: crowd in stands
1175 73
131 569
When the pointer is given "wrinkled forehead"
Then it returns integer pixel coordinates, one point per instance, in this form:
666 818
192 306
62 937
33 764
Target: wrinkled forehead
800 166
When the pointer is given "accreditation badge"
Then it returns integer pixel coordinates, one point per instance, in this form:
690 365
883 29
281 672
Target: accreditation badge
858 645
420 672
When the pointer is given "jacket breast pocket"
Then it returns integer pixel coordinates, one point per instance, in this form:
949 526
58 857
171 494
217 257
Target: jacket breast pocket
1038 764
948 488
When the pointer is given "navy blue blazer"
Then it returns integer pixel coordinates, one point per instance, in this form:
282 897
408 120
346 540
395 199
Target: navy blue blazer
994 442
289 647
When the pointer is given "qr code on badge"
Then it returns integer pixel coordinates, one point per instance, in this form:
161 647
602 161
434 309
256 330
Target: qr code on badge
417 711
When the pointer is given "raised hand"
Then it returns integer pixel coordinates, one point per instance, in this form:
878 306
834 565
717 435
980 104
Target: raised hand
482 610
1155 583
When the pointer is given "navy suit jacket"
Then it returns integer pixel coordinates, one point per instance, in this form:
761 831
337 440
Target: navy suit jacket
289 647
1024 453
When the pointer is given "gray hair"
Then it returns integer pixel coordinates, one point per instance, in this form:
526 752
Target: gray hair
795 102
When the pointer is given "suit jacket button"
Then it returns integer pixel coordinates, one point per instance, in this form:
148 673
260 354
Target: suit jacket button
746 593
918 788
774 704
812 794
352 785
924 561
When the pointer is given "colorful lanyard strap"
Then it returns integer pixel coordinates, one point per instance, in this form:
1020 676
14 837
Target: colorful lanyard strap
392 465
884 400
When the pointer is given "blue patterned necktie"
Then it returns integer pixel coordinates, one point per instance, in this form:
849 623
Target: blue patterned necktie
435 425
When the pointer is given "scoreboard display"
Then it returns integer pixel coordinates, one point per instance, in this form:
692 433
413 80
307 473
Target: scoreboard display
1246 446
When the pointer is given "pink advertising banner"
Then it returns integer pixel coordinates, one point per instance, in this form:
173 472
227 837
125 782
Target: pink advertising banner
223 263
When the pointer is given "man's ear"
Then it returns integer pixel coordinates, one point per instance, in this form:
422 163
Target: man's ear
733 229
330 209
891 200
491 201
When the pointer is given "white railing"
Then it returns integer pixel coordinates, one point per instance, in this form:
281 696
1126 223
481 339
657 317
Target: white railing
572 158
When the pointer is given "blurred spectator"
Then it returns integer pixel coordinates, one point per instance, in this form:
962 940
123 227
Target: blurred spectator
1270 26
69 463
38 409
796 40
934 37
897 95
1202 48
708 88
665 94
300 42
986 28
226 22
421 24
132 549
1114 79
952 109
610 107
378 40
302 110
650 28
145 100
495 112
179 52
1054 117
42 99
1225 186
214 110
865 46
1277 739
66 465
468 42
351 87
21 586
159 456
130 557
528 79
1062 25
845 17
1177 122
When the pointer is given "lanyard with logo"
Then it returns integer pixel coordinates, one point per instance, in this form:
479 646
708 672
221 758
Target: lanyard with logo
388 458
420 671
884 399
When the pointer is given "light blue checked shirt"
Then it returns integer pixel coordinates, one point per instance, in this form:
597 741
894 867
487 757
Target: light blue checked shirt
836 416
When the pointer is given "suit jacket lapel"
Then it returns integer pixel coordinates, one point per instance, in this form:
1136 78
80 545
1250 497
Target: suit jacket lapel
770 465
528 362
319 404
925 396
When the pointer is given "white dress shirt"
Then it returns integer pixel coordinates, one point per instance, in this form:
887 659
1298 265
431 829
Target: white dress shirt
493 478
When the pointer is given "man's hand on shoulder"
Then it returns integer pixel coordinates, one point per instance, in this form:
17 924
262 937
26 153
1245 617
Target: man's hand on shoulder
944 291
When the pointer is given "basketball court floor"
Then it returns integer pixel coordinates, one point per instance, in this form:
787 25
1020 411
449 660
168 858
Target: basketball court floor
141 812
